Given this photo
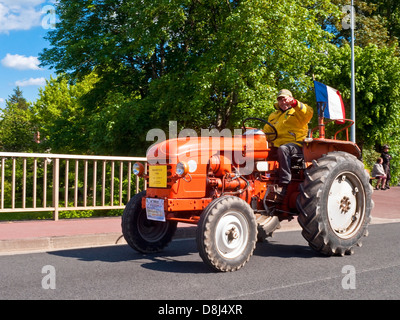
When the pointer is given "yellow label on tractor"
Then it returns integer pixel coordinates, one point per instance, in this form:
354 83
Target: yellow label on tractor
157 176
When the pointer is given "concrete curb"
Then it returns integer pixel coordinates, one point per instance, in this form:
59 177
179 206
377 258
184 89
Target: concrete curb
58 243
53 243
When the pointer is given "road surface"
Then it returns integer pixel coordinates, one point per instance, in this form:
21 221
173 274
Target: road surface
283 268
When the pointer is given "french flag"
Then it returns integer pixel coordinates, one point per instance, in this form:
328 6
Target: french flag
334 108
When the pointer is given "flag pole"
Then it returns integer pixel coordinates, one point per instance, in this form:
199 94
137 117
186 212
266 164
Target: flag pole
353 98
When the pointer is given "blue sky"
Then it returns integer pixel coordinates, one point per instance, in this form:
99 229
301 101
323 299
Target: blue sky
23 24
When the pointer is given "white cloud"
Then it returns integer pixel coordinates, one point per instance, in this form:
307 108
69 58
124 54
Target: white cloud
20 14
31 82
2 100
20 62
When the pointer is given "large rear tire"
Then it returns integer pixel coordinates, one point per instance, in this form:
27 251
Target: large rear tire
335 204
143 235
227 234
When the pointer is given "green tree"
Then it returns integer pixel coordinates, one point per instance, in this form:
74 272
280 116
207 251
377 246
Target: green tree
59 115
210 63
389 11
17 131
201 63
377 93
17 99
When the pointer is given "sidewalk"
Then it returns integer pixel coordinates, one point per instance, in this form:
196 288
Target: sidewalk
45 235
28 236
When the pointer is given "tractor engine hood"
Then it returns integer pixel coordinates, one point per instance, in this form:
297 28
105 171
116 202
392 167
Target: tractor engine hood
201 149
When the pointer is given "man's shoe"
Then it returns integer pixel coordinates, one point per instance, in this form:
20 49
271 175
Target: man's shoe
281 194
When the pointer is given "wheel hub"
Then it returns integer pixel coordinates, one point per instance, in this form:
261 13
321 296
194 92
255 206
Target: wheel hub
343 205
231 234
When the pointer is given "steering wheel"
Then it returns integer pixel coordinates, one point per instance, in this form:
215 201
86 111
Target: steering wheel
271 136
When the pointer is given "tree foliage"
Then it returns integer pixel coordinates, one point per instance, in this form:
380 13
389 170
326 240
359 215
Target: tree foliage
129 66
377 93
200 63
17 131
59 115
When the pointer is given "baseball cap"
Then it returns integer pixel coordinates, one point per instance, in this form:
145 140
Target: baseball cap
284 93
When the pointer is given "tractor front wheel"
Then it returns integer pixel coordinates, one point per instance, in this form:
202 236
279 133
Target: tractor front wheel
142 234
227 234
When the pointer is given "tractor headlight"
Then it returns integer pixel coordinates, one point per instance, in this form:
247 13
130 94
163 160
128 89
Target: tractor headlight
138 169
182 168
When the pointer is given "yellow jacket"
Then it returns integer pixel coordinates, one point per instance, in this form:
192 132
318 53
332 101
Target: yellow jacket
291 125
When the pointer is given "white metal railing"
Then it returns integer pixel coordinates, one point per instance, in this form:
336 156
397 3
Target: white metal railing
36 182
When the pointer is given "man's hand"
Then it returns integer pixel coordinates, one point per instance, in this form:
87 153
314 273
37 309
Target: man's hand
286 102
290 101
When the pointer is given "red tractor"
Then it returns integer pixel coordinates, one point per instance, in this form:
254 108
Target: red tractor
227 187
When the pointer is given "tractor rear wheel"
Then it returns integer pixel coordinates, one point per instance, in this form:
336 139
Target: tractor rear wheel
227 234
335 204
143 235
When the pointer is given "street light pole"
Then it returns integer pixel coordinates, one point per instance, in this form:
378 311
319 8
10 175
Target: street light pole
353 91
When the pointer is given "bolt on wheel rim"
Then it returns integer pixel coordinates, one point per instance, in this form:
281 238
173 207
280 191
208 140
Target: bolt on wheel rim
346 205
231 234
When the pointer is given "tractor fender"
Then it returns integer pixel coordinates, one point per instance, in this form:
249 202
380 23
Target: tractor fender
316 148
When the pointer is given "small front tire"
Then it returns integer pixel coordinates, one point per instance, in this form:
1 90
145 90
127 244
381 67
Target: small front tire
143 235
227 234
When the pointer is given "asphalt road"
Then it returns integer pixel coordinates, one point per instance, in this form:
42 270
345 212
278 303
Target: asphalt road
284 268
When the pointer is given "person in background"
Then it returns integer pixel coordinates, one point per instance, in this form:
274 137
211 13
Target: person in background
378 172
386 164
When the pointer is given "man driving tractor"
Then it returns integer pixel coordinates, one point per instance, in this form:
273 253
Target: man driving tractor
291 120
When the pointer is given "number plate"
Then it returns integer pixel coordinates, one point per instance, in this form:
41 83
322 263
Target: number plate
155 209
157 176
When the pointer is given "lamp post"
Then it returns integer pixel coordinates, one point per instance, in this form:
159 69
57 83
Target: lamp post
353 91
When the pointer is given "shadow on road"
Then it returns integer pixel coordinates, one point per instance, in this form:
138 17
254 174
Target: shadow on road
180 256
273 249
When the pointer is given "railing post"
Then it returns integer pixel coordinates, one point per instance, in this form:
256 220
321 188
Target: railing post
24 183
45 182
13 183
34 182
76 185
56 187
94 182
